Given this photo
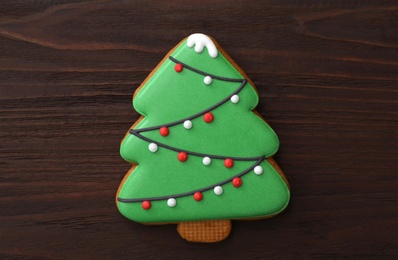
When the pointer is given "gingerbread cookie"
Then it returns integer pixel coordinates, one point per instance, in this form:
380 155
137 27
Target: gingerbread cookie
201 156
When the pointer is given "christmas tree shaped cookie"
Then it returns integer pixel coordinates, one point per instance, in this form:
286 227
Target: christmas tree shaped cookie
200 155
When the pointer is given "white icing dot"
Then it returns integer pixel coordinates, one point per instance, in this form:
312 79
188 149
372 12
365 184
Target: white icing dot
206 161
188 124
171 202
258 170
153 147
235 99
208 80
218 190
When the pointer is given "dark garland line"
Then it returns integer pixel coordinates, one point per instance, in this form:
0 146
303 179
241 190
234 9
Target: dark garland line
243 83
204 73
259 160
194 153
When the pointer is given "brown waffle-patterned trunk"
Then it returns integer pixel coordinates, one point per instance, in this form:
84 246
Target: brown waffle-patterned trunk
204 231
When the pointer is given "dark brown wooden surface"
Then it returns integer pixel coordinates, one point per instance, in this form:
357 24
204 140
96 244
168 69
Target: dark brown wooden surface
327 75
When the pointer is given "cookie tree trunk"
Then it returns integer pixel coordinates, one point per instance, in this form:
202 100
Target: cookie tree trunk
205 231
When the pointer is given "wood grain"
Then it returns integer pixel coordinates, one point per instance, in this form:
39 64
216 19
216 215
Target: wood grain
327 75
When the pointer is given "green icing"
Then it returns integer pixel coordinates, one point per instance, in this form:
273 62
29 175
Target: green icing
235 132
259 196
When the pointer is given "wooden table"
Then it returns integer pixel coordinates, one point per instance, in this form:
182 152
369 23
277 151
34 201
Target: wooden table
327 76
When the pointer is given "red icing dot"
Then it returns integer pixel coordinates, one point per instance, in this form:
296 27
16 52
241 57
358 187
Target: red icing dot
178 67
229 163
146 204
198 196
182 156
208 117
164 131
237 182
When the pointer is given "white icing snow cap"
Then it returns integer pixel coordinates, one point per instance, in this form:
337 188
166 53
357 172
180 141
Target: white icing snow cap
200 41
